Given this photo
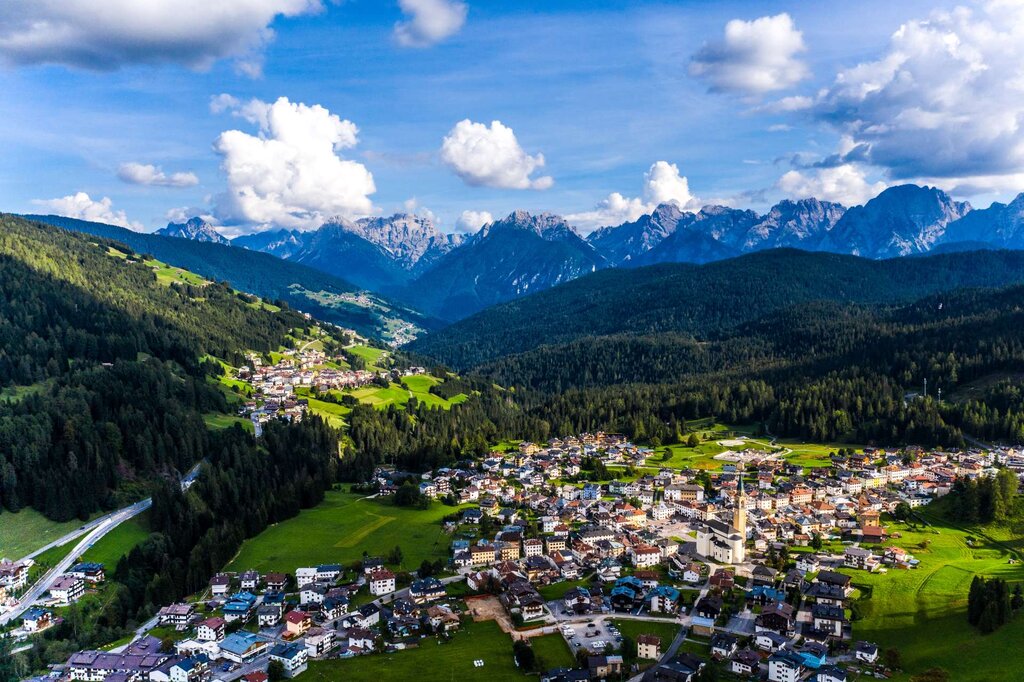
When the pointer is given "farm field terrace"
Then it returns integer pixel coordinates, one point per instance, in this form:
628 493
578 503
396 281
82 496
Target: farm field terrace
923 612
341 528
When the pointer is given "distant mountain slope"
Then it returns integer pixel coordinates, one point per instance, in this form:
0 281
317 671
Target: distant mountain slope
329 298
506 259
627 242
194 228
797 224
999 225
375 253
707 299
900 221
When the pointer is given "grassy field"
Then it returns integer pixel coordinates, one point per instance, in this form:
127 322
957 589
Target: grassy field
635 628
167 274
552 652
419 388
215 420
341 528
922 612
431 661
558 590
28 530
109 549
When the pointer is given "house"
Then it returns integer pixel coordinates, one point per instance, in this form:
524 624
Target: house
319 641
360 638
97 666
250 580
312 593
276 581
648 646
297 622
328 573
768 640
777 616
306 575
856 557
268 615
745 662
239 606
192 669
292 657
220 584
723 645
67 589
785 666
704 614
604 666
813 653
441 618
829 618
481 555
382 581
764 575
90 572
692 573
211 630
866 652
831 673
663 599
242 647
13 574
680 668
334 607
36 619
426 590
808 563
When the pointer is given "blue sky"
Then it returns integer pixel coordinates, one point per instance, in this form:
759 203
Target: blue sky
602 90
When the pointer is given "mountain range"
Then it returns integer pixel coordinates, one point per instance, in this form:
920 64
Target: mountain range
450 277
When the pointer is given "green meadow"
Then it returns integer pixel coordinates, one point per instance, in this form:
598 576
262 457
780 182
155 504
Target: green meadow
28 530
341 528
922 612
432 661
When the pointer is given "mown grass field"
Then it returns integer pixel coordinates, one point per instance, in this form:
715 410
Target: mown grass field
341 528
634 628
28 530
431 661
167 274
552 652
109 549
215 420
922 612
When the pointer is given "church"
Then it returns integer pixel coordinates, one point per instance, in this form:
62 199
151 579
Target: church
724 543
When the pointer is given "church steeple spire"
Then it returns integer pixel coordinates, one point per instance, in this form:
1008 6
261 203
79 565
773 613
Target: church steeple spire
739 515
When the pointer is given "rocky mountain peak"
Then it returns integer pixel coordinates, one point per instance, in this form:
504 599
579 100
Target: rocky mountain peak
196 229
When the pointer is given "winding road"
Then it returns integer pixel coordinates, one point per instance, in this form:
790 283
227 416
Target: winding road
94 530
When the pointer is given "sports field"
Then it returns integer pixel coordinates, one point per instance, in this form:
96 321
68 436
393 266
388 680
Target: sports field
341 528
922 612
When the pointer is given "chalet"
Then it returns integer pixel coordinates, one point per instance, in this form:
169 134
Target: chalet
90 572
67 589
723 645
831 673
856 557
426 590
663 599
745 662
250 580
13 574
481 555
705 613
764 575
442 619
292 657
276 581
176 615
841 580
829 618
211 630
96 666
220 584
192 669
604 666
768 640
360 639
239 606
269 615
36 619
319 641
306 575
777 616
312 593
866 652
334 607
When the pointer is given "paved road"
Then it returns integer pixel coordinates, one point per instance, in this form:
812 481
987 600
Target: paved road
93 532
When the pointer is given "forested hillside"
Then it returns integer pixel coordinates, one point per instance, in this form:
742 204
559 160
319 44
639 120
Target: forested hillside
100 366
323 295
706 301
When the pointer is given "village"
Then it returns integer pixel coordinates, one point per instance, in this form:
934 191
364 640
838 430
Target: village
756 562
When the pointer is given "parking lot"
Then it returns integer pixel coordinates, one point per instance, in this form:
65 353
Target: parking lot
596 636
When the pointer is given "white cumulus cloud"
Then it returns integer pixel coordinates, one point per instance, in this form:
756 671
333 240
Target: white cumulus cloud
109 34
944 101
83 207
291 174
148 174
662 184
753 57
429 21
846 184
490 156
472 221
